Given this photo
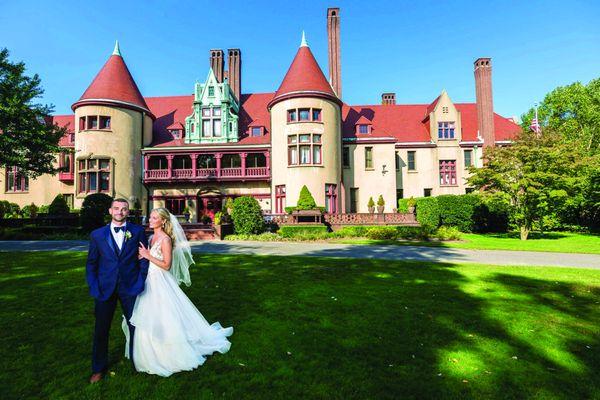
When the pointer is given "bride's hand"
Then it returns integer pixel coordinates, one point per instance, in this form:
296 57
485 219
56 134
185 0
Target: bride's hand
143 252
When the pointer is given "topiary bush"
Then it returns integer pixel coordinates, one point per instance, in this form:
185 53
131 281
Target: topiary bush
247 216
458 210
306 201
58 206
94 210
30 211
382 233
351 231
402 205
428 213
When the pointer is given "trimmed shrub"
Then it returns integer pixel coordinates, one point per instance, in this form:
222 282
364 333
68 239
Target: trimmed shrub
306 201
291 231
458 211
428 213
30 211
380 201
58 206
402 205
94 210
448 233
382 233
351 231
492 214
43 209
370 203
247 216
412 232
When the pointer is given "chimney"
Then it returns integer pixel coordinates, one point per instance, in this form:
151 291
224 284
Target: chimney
485 103
234 67
388 99
217 64
333 40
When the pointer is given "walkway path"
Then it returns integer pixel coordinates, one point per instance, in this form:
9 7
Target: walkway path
437 254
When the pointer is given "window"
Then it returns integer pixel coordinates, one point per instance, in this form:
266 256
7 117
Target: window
81 123
211 122
304 149
427 192
368 158
94 175
316 114
156 162
447 172
353 200
206 161
206 127
65 162
175 206
468 158
69 199
256 160
330 198
16 181
217 127
346 157
363 129
104 122
445 130
211 91
231 161
176 133
279 199
412 160
292 116
444 110
92 122
206 112
397 158
304 114
256 131
182 162
216 111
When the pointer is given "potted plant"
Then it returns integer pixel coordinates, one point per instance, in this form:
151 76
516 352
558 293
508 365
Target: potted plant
371 205
186 214
411 203
380 204
229 205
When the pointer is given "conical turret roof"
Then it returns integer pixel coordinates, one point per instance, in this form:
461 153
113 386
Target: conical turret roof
114 85
304 78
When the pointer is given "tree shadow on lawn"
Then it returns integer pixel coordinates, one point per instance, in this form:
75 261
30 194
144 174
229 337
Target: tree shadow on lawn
316 328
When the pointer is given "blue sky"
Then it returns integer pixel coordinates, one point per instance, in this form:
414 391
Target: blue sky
415 49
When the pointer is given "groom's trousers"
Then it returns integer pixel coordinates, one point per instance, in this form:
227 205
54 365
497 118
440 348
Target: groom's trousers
104 311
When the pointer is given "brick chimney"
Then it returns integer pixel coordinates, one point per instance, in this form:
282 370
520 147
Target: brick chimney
217 64
333 40
234 71
485 103
388 99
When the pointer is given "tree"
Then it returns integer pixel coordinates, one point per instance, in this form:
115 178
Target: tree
247 216
574 112
306 201
27 140
538 174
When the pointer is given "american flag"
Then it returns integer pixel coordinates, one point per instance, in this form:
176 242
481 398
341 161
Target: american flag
535 125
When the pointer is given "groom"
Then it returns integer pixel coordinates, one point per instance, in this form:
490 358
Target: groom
114 272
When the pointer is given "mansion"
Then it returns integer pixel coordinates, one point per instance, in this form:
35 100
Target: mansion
195 151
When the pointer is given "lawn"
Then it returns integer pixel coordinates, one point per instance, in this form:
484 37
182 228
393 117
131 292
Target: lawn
320 328
562 242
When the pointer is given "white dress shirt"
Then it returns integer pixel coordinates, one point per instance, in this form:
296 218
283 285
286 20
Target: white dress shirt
120 236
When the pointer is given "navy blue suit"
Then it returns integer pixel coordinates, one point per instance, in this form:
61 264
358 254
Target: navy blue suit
112 275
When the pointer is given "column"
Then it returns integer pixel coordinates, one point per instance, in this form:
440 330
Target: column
268 161
170 166
243 157
146 159
218 158
194 157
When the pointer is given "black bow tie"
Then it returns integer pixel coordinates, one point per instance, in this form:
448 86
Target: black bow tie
119 228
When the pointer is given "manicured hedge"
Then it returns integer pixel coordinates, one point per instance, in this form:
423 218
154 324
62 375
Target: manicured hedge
428 213
458 211
247 216
289 231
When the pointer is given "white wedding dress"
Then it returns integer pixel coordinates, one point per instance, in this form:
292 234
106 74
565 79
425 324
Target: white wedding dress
171 335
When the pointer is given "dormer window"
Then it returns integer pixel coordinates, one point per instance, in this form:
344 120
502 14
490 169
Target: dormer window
445 130
206 112
444 110
211 91
176 133
216 112
256 131
363 129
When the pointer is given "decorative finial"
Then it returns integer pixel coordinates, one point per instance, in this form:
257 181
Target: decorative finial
117 51
303 43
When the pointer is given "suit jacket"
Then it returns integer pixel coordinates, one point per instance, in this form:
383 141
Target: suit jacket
106 265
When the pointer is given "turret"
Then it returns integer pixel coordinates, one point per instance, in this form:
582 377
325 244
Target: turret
306 135
113 122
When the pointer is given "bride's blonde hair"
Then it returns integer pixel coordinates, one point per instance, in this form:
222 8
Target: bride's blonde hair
167 226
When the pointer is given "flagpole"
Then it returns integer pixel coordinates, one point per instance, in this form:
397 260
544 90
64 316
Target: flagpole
538 128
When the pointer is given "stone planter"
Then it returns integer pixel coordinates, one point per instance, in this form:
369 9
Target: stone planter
371 210
223 230
411 210
380 209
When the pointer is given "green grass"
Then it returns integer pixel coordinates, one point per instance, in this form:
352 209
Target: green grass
320 328
562 242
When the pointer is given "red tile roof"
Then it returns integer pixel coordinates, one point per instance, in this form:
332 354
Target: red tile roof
171 110
304 77
113 85
68 122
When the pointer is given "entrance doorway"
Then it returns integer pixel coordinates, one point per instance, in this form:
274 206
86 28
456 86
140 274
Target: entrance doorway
208 206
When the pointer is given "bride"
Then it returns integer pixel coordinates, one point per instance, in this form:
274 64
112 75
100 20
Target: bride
170 335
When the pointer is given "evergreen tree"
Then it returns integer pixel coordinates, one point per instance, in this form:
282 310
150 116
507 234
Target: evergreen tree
306 201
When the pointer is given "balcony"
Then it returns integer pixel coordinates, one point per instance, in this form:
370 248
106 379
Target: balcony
206 167
66 176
